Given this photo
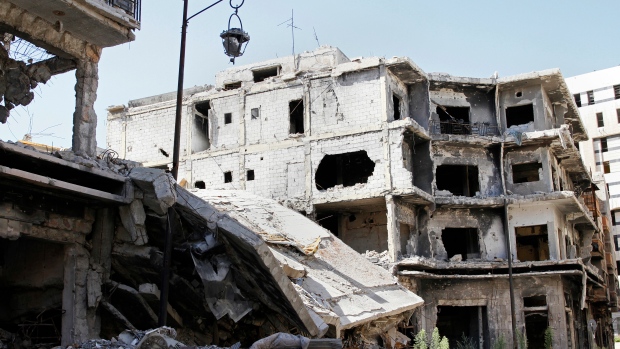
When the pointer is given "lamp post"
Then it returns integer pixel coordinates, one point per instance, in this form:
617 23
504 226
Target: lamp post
234 40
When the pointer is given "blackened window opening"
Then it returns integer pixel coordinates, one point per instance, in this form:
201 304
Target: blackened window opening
535 301
617 91
604 147
463 241
599 120
296 115
203 108
532 243
227 177
232 86
262 74
454 120
396 104
535 326
249 175
227 118
460 180
454 322
577 97
519 115
590 97
345 169
200 185
527 172
201 125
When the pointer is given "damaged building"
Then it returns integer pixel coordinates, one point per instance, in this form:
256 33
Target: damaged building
437 178
96 250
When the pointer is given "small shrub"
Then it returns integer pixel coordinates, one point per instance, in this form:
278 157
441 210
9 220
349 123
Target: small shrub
466 343
548 338
522 340
419 342
500 343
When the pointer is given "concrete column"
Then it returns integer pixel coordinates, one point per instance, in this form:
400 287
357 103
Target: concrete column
84 117
393 229
103 237
74 327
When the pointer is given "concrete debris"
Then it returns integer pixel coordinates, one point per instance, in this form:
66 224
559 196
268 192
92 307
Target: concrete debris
456 258
381 259
282 341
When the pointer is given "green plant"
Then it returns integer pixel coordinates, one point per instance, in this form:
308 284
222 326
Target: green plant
500 343
466 343
522 339
419 341
548 338
616 338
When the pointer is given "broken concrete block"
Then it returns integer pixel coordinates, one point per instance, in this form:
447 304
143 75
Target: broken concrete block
133 217
456 258
93 286
158 188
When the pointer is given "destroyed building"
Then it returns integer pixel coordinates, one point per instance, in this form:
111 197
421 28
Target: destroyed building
439 178
84 234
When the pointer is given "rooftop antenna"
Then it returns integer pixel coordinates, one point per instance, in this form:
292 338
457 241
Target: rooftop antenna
316 37
291 23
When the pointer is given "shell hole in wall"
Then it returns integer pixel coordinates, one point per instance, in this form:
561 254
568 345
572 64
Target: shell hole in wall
345 169
200 185
519 94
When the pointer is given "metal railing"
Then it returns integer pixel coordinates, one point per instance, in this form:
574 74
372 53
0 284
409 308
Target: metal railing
463 128
132 7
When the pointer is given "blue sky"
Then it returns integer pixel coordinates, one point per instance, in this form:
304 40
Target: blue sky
466 38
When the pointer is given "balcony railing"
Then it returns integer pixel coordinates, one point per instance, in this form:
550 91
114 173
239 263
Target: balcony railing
132 7
463 128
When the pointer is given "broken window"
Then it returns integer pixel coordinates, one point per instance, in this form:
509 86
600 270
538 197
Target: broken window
255 113
532 243
460 180
527 172
519 115
200 185
454 322
232 86
590 97
599 120
296 116
249 175
227 177
345 169
200 136
396 104
262 74
577 97
454 120
535 311
463 241
227 118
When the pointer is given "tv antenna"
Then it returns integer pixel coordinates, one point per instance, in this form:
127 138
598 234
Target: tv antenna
316 37
291 23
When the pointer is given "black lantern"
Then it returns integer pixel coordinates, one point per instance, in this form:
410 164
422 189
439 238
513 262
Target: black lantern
235 40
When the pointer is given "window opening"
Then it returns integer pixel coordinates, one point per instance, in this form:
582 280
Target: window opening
463 241
227 118
454 322
296 116
249 175
200 132
405 235
255 113
577 97
599 120
396 104
606 167
618 115
227 177
590 97
617 91
200 185
532 243
454 120
345 169
232 86
460 180
519 115
527 172
262 74
604 147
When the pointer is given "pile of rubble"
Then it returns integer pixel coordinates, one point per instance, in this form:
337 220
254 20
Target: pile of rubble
381 259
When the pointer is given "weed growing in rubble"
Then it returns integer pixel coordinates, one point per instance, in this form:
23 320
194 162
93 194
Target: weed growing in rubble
500 343
548 338
466 343
522 340
420 341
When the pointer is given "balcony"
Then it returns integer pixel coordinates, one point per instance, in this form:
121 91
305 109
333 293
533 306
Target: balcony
131 7
459 127
598 248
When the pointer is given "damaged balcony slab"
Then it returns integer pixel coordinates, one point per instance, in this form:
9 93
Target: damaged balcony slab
469 202
339 287
44 170
414 195
406 70
566 201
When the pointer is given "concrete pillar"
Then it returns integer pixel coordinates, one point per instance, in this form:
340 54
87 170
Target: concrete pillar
393 229
75 327
103 237
84 117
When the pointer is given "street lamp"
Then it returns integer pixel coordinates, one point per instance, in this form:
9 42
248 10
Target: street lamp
234 40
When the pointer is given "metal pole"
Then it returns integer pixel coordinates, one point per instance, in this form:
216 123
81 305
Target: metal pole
165 274
177 120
